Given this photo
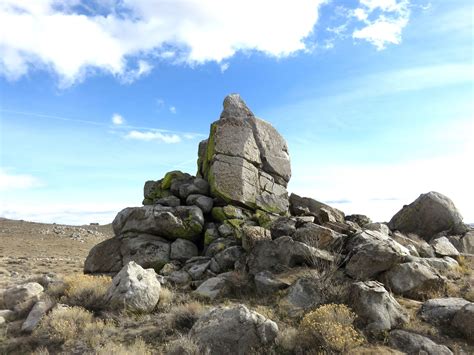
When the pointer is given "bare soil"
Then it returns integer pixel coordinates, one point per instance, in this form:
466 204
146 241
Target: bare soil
29 250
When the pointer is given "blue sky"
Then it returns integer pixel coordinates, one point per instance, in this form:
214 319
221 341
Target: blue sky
375 98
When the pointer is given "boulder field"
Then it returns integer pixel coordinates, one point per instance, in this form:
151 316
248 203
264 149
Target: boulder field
236 215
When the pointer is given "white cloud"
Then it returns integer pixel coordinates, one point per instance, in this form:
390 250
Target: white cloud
58 36
387 27
153 136
173 109
117 119
380 190
9 181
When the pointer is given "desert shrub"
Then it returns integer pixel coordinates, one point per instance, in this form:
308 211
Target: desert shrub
332 326
74 325
86 291
40 351
184 346
183 317
139 347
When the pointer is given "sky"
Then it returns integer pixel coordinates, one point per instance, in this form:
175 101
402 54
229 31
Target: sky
374 97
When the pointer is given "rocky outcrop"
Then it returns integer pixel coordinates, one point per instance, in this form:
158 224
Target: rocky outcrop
304 206
463 321
441 311
134 289
245 160
428 215
233 330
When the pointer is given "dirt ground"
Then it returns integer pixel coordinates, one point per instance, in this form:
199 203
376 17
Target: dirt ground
29 249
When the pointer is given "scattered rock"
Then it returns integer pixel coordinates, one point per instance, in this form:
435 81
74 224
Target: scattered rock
443 247
413 279
225 260
360 219
378 227
412 343
134 289
252 235
428 215
21 298
233 330
205 203
266 284
282 226
377 309
317 236
213 288
301 296
309 207
35 315
463 321
441 311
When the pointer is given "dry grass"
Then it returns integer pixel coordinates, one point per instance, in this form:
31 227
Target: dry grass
288 339
138 347
74 325
184 346
167 296
415 324
183 317
332 326
86 291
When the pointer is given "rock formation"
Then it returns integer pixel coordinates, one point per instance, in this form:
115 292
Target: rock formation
235 217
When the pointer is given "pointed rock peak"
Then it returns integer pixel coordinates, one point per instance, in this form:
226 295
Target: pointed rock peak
235 107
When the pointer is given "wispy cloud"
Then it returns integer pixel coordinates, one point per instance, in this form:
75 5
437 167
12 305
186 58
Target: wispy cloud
224 67
117 119
11 181
173 110
153 136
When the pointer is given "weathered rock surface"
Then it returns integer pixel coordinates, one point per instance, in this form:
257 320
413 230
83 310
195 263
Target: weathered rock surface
21 298
134 289
304 206
441 311
317 236
105 257
233 330
443 247
463 321
373 253
146 250
301 296
246 160
411 343
252 235
267 284
35 315
413 279
428 215
213 288
167 222
279 254
183 250
377 309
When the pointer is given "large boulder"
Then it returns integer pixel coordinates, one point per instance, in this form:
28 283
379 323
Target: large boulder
428 215
412 343
168 222
413 279
233 330
441 311
443 247
302 295
317 236
279 254
104 257
245 160
377 309
35 315
305 206
134 289
372 253
146 250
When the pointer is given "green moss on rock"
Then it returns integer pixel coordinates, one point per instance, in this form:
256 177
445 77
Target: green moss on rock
218 214
169 177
